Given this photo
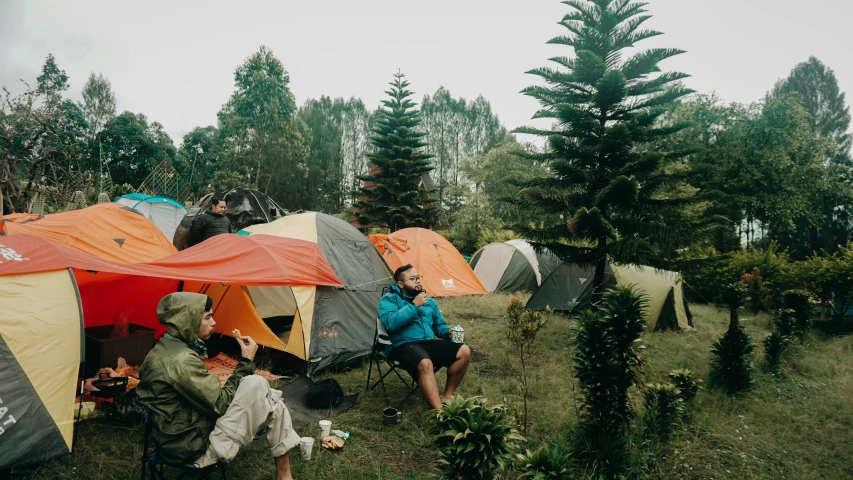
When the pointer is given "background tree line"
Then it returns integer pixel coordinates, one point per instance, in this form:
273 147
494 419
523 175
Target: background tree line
777 170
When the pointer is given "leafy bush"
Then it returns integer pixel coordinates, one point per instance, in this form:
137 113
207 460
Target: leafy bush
474 439
606 360
686 383
664 408
783 320
759 296
706 271
731 362
545 464
775 345
799 302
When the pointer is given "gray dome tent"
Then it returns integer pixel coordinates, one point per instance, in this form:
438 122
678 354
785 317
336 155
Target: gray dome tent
569 289
512 266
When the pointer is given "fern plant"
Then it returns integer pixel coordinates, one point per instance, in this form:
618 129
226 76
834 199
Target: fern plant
785 321
545 464
731 355
664 408
731 362
775 345
474 439
607 360
686 383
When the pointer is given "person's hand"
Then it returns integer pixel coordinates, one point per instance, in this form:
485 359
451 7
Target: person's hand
248 347
420 300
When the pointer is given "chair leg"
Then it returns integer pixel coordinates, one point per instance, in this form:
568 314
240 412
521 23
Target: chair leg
223 468
370 370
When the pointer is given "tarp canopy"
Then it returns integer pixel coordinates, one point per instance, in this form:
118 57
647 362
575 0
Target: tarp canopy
164 212
569 288
336 324
512 266
106 230
445 272
49 292
243 207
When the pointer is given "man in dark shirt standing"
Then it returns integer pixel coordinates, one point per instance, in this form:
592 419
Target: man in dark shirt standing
210 223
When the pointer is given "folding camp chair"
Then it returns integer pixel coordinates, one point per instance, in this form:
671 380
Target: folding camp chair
378 356
156 465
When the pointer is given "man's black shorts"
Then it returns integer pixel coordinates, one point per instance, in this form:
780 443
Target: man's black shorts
442 353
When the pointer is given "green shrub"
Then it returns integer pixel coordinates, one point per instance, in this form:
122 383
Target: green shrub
664 408
522 325
545 464
783 321
606 359
759 296
474 439
775 345
686 383
799 302
731 362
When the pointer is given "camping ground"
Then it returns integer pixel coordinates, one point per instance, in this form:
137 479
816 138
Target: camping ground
799 426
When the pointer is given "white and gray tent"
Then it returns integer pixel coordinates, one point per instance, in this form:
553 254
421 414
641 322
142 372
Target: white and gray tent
569 289
164 212
512 266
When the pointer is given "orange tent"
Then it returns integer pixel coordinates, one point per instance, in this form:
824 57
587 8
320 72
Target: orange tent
106 230
445 272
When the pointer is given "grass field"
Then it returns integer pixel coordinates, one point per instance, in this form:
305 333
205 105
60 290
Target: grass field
799 426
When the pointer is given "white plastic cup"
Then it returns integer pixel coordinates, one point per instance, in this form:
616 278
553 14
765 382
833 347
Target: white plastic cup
306 444
325 428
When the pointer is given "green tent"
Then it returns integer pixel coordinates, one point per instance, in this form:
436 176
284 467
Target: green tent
569 289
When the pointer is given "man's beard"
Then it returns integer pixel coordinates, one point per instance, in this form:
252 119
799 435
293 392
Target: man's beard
412 292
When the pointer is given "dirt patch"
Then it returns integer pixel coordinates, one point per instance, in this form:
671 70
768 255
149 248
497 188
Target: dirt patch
409 460
477 356
475 316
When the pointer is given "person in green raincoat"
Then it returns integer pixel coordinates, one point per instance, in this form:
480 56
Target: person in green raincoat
195 421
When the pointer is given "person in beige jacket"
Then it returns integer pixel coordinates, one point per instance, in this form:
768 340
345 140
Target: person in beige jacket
195 421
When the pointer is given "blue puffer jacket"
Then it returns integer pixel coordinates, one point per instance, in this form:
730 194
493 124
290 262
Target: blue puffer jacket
407 323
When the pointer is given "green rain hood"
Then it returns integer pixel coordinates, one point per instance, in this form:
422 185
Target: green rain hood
183 398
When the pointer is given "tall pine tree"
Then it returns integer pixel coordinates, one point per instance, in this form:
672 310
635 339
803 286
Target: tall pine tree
393 195
611 195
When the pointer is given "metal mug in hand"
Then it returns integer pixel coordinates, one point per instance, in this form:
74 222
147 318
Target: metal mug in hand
457 334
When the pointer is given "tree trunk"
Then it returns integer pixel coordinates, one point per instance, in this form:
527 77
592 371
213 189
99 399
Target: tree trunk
734 319
598 277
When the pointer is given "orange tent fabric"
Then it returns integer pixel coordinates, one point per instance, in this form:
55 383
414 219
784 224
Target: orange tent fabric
107 287
106 230
445 271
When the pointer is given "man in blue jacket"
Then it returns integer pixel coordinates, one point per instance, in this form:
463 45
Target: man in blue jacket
413 322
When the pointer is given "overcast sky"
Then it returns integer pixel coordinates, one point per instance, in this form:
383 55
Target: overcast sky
174 61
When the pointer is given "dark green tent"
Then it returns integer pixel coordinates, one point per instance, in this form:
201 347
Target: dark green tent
569 289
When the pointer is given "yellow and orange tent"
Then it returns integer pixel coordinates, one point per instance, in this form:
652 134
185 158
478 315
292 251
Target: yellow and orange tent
49 293
444 270
106 230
